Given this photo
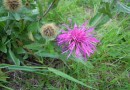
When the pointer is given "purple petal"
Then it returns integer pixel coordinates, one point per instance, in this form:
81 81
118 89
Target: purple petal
90 30
92 39
77 51
75 26
71 46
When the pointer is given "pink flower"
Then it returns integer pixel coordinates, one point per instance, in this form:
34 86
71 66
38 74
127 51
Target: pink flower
78 40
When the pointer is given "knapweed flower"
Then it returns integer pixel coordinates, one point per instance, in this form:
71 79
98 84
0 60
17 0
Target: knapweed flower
12 5
49 31
79 41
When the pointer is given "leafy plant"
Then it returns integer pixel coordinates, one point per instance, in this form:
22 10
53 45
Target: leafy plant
23 48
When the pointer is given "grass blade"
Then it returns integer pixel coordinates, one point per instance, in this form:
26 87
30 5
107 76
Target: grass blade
13 57
57 72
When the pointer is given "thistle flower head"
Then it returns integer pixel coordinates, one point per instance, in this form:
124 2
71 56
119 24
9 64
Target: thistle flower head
49 31
12 5
78 40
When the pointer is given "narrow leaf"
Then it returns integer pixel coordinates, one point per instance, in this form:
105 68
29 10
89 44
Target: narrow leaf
3 18
45 54
34 46
6 88
57 72
4 65
13 57
95 20
23 68
123 8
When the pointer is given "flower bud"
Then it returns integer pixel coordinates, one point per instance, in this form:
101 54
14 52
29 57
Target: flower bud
12 5
49 31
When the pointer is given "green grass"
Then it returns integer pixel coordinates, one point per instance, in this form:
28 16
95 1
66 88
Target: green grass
107 69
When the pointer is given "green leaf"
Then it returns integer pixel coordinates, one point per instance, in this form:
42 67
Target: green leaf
55 3
23 68
30 36
17 16
96 19
20 50
123 8
57 72
3 48
4 38
2 10
104 20
106 9
34 46
45 54
6 88
33 27
108 1
34 12
99 19
3 76
4 65
37 70
2 25
14 59
27 18
3 18
25 56
40 7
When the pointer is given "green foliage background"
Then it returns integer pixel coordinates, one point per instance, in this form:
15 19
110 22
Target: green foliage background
23 49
